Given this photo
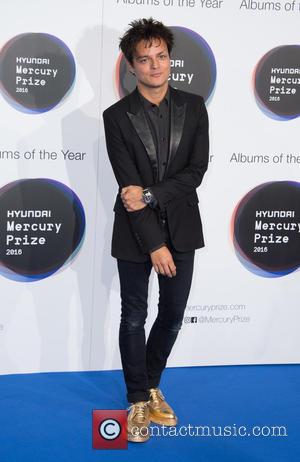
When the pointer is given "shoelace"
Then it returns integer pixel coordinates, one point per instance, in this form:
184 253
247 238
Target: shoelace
156 395
139 410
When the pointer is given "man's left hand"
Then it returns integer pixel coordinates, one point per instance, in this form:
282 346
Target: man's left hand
132 197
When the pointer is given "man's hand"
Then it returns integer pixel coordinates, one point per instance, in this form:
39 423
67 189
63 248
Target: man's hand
163 262
132 197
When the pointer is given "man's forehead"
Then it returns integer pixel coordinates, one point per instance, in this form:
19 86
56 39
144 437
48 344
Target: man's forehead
144 45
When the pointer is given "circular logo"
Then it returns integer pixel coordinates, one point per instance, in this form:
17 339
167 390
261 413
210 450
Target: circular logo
277 82
266 229
36 72
109 429
42 224
193 66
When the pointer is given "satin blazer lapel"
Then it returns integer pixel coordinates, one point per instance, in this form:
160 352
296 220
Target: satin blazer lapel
140 124
178 110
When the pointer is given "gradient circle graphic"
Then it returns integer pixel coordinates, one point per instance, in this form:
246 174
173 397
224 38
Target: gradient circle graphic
42 224
37 71
266 229
277 82
193 66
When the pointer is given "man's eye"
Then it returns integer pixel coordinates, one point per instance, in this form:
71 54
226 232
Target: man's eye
143 60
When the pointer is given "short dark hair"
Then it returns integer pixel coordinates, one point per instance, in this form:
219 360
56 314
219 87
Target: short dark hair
148 30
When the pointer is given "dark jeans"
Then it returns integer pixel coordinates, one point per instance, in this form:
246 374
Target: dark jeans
143 362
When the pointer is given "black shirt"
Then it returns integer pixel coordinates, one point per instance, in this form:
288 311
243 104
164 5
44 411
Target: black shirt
158 117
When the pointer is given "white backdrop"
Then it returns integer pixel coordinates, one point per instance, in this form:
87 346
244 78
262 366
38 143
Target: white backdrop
69 321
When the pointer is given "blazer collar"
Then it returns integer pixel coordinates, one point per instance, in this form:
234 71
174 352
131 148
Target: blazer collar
135 103
177 117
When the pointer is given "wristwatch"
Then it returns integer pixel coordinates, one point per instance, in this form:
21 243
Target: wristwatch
147 196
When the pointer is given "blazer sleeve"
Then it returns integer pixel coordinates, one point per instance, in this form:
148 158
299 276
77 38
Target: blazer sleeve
188 179
144 222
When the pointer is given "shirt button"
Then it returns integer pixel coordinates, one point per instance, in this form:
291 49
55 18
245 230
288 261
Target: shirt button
164 163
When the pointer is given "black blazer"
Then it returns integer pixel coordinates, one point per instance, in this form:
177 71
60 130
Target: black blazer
132 154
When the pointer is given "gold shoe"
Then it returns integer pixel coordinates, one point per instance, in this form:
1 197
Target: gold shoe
138 422
160 412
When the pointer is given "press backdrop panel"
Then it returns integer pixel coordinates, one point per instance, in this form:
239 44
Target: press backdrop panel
60 305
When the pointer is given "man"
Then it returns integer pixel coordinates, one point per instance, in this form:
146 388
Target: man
157 142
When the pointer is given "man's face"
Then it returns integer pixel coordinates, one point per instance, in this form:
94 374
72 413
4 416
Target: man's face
151 64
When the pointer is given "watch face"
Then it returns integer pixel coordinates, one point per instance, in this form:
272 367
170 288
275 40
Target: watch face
147 196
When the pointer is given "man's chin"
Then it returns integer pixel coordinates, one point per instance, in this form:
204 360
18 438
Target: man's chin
155 84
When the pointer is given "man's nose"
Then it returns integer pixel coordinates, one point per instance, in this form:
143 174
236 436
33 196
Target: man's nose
154 63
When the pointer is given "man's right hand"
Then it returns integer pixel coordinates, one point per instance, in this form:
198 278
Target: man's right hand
163 262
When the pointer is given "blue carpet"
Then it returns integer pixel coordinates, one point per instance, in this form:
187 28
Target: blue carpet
47 416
